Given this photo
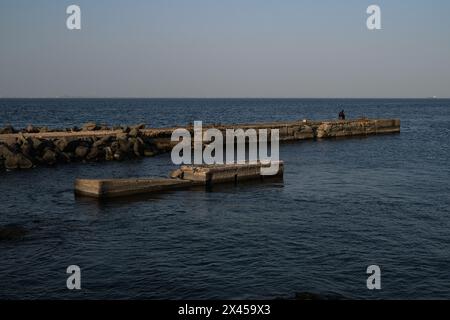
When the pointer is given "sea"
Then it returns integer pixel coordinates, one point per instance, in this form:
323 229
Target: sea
343 205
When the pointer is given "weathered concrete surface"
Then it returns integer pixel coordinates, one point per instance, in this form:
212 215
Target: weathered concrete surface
290 130
107 188
211 174
186 176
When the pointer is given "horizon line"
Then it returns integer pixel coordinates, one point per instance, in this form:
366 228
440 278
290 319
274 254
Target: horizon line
261 98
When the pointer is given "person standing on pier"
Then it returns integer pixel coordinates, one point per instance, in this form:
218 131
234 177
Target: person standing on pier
342 115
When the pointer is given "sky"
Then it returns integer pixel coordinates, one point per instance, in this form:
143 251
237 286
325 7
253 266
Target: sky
225 48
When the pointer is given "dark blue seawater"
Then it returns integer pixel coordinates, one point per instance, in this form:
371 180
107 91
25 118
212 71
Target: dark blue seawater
345 204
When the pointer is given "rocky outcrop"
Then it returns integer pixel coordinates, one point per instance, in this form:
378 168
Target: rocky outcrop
12 232
27 152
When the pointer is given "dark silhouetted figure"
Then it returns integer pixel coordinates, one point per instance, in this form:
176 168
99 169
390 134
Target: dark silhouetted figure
342 115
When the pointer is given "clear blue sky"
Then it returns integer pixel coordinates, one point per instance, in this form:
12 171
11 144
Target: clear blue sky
218 48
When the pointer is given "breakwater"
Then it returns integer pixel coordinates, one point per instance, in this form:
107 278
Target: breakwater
184 177
30 147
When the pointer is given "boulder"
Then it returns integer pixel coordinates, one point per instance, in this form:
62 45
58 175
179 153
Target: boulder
104 127
49 156
119 155
5 151
64 157
109 155
134 132
95 154
12 232
305 132
72 145
81 151
7 130
124 146
61 144
43 129
31 129
37 143
18 161
138 126
27 149
122 135
23 161
138 147
176 174
89 126
11 162
102 142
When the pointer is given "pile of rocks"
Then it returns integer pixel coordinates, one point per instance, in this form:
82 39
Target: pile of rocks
27 152
90 126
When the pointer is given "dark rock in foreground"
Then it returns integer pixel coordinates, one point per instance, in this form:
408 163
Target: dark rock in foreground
12 232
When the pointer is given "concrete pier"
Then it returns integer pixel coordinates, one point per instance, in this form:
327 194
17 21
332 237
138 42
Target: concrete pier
289 130
110 188
185 177
23 150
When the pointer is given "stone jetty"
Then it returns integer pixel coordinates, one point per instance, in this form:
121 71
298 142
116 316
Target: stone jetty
32 146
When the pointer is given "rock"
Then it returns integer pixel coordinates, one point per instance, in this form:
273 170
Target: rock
40 144
176 174
64 157
119 155
12 232
134 132
61 144
323 130
81 151
43 130
24 162
7 130
102 142
124 146
104 127
37 144
5 151
138 147
89 126
27 149
95 153
109 154
49 156
72 145
305 132
18 161
31 129
122 136
21 138
139 126
11 162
